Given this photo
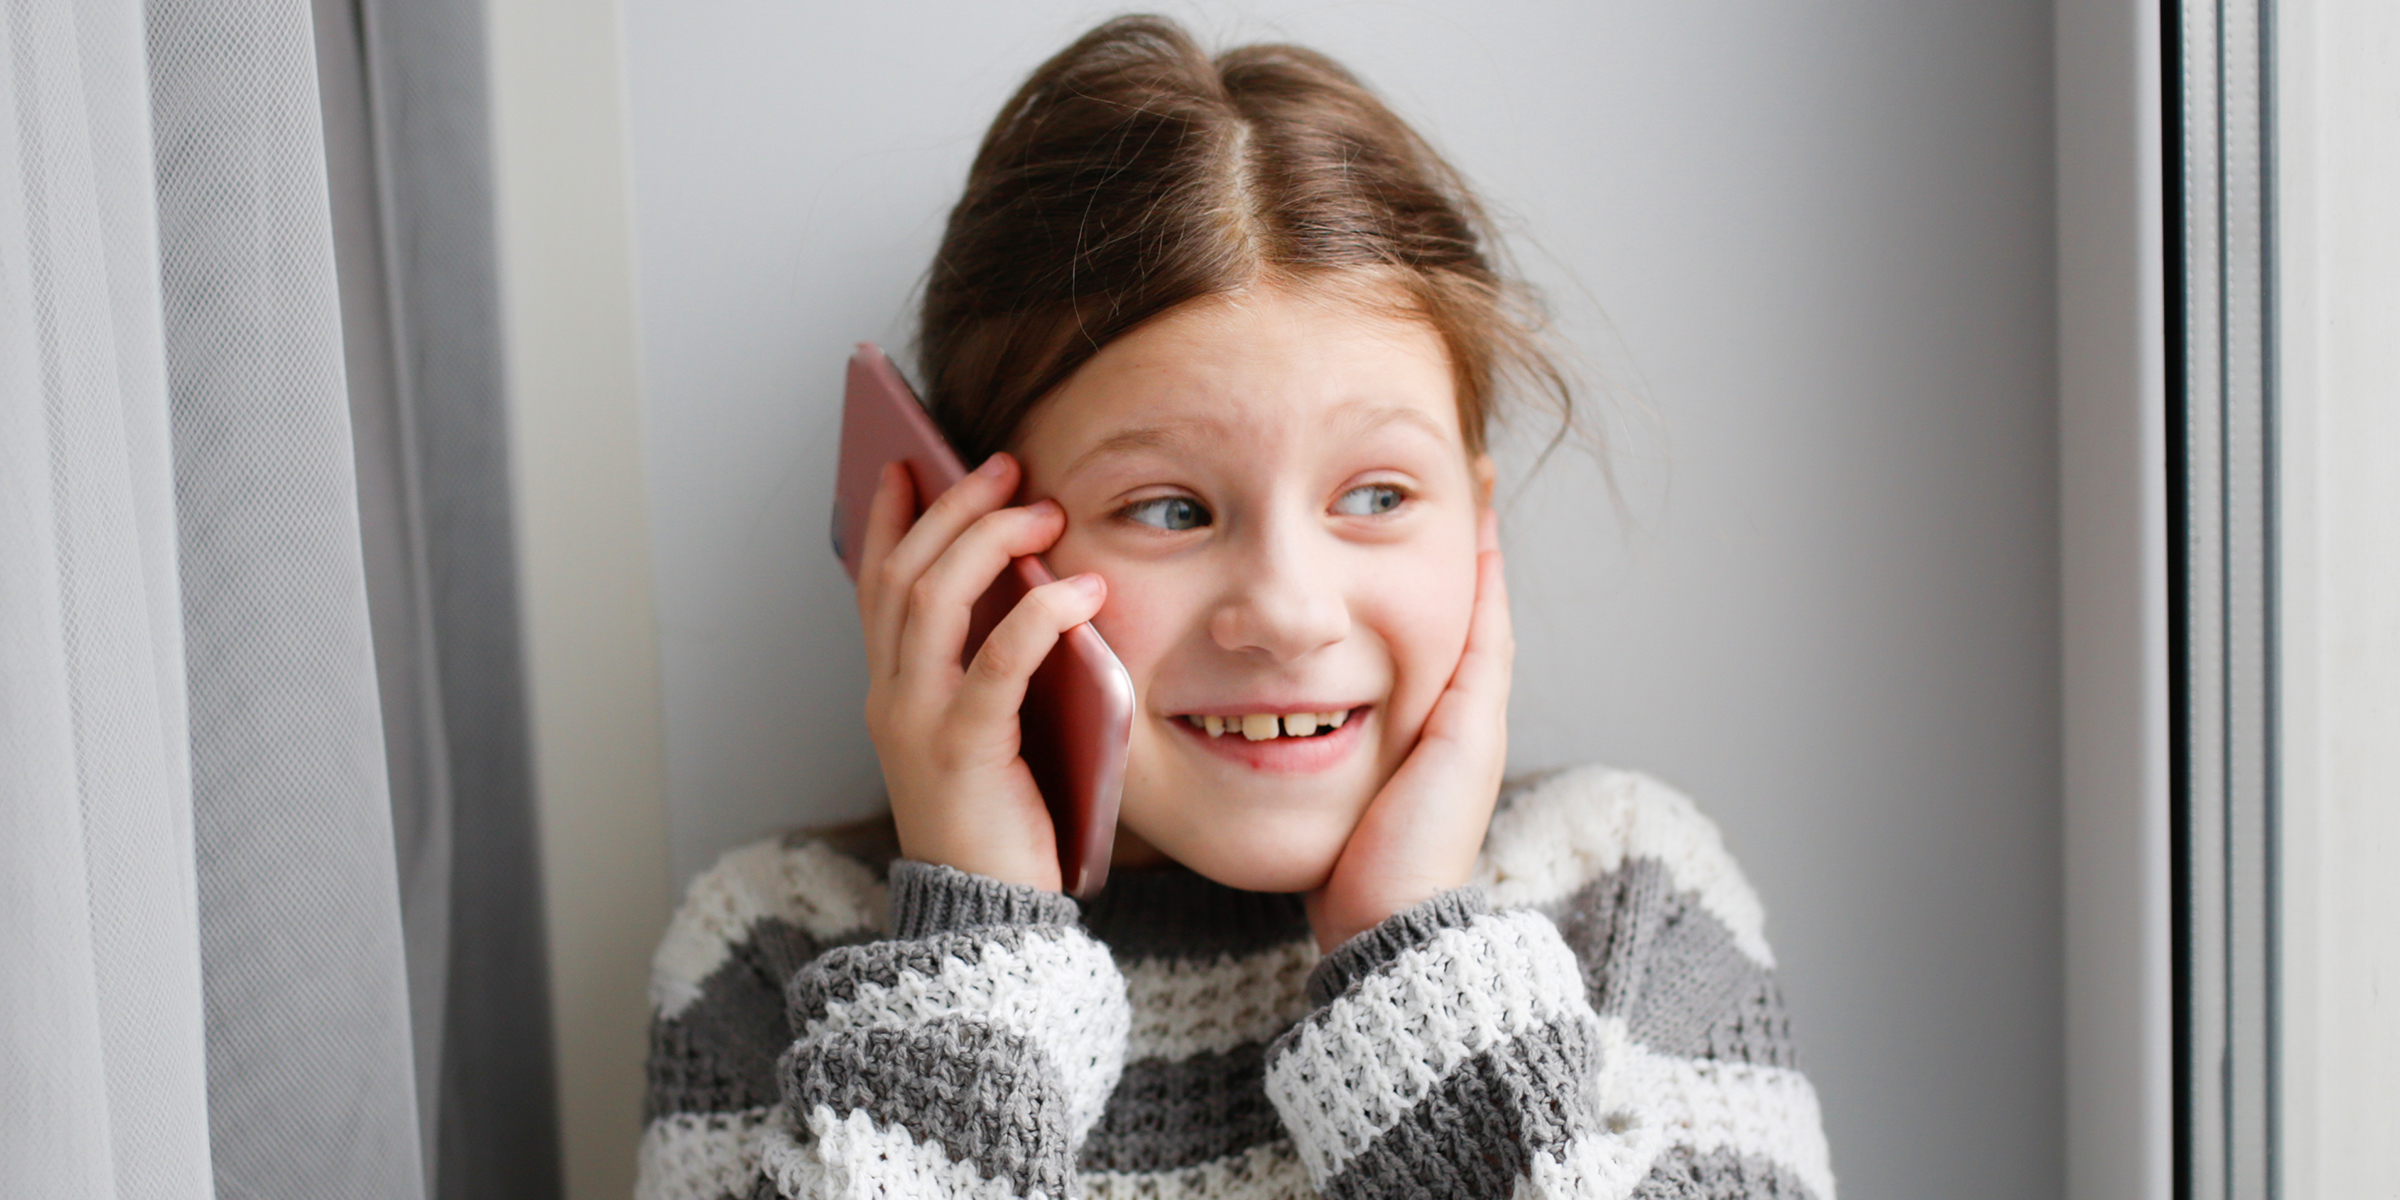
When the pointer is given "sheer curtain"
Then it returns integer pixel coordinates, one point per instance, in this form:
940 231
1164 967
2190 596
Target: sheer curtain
202 980
407 139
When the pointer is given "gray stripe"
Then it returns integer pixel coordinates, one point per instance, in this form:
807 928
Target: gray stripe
1756 1029
929 899
1478 1130
1722 1174
1165 1116
836 976
988 1096
1607 923
1173 912
1654 956
719 1054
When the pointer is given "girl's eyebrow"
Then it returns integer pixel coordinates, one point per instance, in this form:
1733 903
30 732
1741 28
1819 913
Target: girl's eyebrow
1142 437
1368 416
1363 416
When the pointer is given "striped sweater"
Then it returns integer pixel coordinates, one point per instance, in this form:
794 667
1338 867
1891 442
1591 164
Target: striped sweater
1596 1016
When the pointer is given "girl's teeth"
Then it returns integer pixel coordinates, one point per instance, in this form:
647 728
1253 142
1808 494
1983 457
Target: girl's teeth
1260 727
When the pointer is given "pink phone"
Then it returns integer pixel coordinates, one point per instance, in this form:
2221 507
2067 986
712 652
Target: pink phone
1078 713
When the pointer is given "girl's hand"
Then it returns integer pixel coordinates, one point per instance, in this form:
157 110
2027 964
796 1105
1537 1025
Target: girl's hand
947 735
1421 834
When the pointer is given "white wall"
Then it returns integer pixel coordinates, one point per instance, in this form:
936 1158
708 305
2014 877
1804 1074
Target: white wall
2338 180
1822 233
583 559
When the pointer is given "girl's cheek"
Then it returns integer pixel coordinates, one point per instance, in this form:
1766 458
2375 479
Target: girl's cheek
1136 620
1424 606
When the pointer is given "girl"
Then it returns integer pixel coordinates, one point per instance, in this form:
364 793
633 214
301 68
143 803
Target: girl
1225 337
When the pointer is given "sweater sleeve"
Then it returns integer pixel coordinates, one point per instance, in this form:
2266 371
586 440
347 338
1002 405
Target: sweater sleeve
966 1055
806 1045
1451 1053
1599 1019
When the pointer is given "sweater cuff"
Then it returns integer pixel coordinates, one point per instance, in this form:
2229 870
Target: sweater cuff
928 899
1413 926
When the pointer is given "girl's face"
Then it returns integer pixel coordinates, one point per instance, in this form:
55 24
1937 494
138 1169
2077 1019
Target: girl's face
1276 488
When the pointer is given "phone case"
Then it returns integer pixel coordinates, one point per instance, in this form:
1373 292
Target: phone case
1078 712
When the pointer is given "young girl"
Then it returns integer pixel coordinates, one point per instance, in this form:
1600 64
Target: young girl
1224 337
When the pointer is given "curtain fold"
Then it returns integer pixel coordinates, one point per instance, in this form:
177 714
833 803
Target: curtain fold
392 538
103 1091
428 96
407 133
311 1089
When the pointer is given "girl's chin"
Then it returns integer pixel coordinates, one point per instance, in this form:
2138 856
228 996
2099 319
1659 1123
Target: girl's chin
1258 833
1251 875
1277 860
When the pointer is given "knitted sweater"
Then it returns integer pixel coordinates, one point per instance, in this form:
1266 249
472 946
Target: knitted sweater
1596 1016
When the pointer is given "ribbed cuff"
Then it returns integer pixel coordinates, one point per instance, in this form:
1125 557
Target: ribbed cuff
1413 926
928 898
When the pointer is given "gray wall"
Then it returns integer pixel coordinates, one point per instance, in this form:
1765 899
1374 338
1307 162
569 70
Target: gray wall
1807 247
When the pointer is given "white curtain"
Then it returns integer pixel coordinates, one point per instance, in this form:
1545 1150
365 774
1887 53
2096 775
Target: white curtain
202 988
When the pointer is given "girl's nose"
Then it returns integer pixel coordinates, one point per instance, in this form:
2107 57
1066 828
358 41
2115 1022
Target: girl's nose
1282 606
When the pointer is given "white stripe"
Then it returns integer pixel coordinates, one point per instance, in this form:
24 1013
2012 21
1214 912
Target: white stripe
1388 1042
1707 1105
1270 1171
1183 1008
1581 824
700 1156
853 1158
1592 1166
1059 992
813 886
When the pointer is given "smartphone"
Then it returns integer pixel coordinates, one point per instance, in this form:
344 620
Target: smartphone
1078 712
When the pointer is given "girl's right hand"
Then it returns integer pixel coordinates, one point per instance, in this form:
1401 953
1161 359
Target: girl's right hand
948 735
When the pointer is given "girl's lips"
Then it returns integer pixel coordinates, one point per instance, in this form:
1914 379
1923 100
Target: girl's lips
1282 755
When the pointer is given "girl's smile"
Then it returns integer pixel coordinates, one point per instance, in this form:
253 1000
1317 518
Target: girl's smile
1297 742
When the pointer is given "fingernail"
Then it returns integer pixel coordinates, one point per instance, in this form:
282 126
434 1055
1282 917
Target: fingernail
993 465
1088 583
1045 506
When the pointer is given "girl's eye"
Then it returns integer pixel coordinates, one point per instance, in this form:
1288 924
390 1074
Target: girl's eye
1373 500
1171 513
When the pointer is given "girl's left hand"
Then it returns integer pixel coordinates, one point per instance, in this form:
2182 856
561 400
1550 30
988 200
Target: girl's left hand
1421 834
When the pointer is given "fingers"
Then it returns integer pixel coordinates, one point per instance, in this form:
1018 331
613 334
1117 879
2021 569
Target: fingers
897 551
1491 641
941 603
994 688
887 521
1477 696
986 488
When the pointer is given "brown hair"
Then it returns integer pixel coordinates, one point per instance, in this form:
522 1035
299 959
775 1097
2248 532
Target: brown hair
1133 173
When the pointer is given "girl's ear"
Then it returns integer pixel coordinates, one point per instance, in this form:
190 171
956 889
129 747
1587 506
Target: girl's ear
1485 474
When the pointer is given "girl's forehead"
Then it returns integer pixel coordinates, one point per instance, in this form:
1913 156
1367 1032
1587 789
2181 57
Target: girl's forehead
1259 365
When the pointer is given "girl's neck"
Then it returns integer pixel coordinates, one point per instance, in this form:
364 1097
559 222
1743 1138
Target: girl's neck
1132 850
